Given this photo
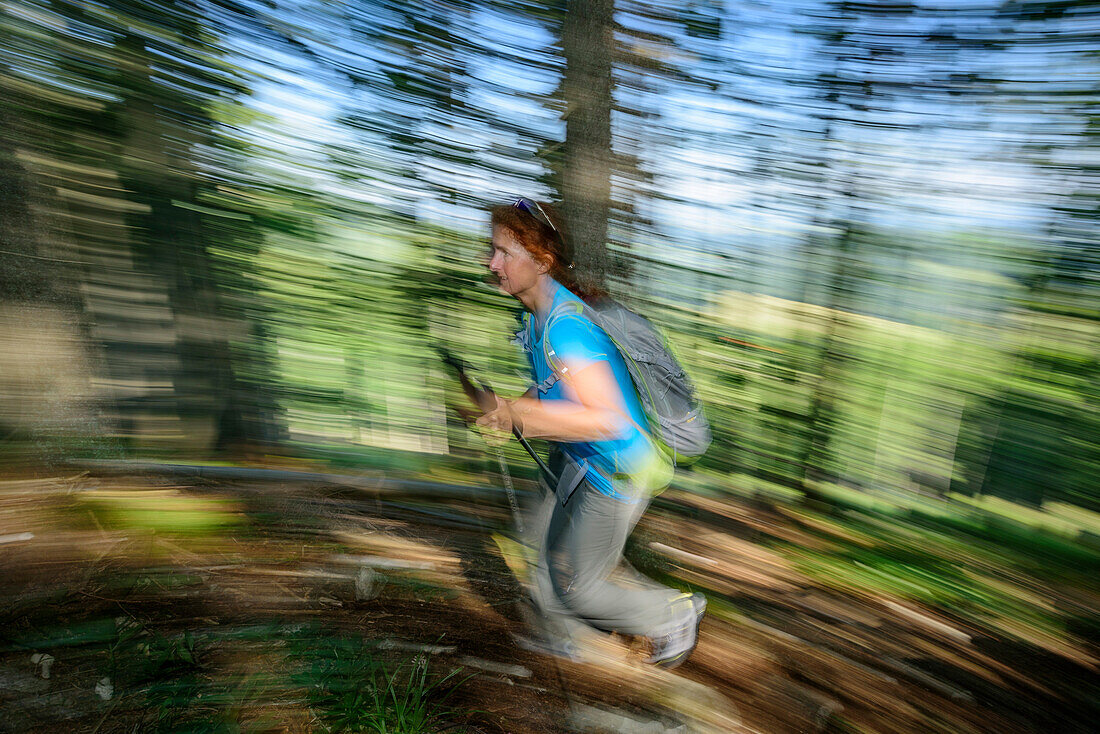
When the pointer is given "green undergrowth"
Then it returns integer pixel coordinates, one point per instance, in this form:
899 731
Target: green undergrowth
984 570
994 564
238 678
354 686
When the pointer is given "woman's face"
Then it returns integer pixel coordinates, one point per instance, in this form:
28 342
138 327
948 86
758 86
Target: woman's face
516 270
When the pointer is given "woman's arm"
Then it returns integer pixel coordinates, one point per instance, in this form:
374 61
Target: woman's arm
592 412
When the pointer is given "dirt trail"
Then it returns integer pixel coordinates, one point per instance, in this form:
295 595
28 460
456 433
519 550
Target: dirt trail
264 573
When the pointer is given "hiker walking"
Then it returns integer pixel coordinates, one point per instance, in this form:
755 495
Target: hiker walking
607 464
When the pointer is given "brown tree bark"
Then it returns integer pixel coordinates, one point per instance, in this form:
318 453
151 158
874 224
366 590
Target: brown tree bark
588 45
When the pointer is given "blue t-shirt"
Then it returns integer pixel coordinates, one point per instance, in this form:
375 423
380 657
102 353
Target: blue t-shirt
577 342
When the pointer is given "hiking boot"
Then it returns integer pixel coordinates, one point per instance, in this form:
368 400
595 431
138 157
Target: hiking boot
674 643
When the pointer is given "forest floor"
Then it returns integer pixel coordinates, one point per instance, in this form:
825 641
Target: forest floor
144 601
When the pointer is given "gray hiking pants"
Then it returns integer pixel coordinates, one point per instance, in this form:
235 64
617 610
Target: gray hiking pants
580 546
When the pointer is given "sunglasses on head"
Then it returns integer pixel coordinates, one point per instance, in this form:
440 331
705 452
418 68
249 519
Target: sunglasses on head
533 208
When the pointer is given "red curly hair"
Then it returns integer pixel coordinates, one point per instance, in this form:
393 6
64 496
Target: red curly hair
546 244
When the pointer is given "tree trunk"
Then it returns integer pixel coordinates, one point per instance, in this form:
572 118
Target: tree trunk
209 396
47 408
588 44
27 272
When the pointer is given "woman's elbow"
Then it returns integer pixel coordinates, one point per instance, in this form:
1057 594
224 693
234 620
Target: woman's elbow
613 427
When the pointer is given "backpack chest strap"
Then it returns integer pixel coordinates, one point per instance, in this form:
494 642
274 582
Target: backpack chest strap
548 382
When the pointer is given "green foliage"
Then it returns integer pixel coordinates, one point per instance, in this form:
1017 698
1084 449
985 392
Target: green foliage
967 560
178 682
248 279
168 676
171 514
351 688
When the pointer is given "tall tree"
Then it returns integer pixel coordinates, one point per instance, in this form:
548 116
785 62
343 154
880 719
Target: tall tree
588 44
139 171
1035 432
877 62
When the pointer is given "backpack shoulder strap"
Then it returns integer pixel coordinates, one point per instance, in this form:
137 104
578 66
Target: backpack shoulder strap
521 337
566 308
524 339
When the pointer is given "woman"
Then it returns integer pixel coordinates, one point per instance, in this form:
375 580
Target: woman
584 402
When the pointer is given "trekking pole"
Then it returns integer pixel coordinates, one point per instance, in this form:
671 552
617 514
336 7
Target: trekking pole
511 491
483 396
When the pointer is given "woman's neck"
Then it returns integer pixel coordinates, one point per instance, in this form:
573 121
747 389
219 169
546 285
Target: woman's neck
539 299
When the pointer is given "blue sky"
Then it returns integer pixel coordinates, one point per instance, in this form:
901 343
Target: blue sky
953 172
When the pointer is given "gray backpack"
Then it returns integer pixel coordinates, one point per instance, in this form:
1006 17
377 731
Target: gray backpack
676 420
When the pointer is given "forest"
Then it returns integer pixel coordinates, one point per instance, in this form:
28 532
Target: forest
236 492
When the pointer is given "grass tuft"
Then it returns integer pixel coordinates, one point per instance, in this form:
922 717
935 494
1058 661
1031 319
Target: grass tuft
351 689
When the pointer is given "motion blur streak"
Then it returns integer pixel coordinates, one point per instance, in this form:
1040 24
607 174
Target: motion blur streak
230 231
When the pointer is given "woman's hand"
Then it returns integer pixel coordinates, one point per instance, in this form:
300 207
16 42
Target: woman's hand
496 425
